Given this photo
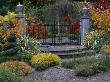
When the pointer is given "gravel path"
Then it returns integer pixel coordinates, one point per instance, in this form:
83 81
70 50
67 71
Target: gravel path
58 74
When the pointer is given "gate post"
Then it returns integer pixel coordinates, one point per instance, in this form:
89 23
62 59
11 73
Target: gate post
84 23
20 17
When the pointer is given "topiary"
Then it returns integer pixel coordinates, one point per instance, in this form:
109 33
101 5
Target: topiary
18 57
17 67
0 48
12 37
10 52
43 61
7 76
9 45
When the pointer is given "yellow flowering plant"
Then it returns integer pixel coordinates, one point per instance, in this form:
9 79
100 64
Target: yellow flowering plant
95 39
10 21
9 24
92 36
43 61
7 20
105 50
10 17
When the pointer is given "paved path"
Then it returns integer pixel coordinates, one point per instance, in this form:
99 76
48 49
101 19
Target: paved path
64 75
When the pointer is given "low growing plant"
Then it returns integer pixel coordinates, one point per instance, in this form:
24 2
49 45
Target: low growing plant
10 48
84 70
43 61
87 69
7 76
69 64
96 39
17 67
88 66
84 53
99 67
10 52
29 46
105 50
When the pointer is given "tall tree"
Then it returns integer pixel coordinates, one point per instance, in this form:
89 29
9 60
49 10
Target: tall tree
39 3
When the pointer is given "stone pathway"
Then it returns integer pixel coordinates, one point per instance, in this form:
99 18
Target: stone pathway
58 74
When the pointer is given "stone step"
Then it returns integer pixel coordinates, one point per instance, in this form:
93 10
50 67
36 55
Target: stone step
61 48
62 43
76 54
66 51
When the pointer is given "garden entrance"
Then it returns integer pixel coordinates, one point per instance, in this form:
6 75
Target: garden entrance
59 23
56 34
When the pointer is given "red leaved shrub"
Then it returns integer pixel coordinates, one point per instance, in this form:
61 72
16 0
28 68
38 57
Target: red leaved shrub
102 4
74 27
37 30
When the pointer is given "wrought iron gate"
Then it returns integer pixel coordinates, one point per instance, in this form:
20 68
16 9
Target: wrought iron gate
54 34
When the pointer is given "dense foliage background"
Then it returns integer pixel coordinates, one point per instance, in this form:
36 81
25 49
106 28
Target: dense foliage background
8 5
39 3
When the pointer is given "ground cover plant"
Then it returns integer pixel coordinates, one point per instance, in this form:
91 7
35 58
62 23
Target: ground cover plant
87 66
17 67
7 76
105 49
42 61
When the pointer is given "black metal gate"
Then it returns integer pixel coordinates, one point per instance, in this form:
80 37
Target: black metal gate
54 34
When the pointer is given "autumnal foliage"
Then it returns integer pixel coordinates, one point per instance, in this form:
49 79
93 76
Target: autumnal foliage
10 24
10 21
101 18
102 4
37 30
73 26
18 67
100 15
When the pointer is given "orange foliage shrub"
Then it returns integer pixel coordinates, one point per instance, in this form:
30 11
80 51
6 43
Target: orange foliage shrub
17 67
